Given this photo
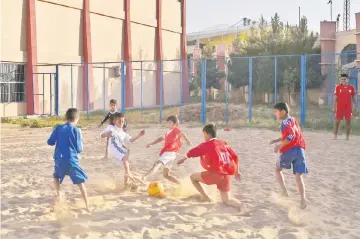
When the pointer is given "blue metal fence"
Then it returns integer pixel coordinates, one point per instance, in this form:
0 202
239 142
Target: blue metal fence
225 90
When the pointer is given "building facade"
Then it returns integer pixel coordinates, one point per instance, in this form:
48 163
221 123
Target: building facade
84 42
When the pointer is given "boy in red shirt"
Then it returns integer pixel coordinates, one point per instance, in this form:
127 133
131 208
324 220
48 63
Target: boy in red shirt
344 104
291 149
169 152
220 163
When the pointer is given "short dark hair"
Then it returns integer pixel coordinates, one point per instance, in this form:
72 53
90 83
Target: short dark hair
113 101
116 116
71 114
210 129
173 118
282 106
344 75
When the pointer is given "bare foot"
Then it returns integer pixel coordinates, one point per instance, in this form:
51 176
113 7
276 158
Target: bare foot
139 180
285 194
347 138
335 137
243 211
303 204
88 208
105 157
132 186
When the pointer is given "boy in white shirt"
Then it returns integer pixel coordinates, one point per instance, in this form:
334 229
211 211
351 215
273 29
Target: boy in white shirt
117 148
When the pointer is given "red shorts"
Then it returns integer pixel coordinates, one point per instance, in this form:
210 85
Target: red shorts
341 114
222 181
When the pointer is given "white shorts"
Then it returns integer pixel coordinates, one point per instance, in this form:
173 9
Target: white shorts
117 156
168 158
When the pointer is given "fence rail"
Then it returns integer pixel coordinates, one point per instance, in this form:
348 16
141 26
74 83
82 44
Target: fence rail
221 89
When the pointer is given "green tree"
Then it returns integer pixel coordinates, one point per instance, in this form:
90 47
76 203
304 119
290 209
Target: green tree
275 38
213 75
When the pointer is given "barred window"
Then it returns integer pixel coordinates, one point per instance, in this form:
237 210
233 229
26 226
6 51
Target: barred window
12 82
348 54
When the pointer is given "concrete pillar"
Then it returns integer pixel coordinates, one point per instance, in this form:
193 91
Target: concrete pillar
185 70
128 57
87 71
196 60
357 19
220 57
159 52
32 101
327 45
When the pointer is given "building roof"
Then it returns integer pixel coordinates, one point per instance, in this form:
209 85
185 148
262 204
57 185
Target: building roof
217 30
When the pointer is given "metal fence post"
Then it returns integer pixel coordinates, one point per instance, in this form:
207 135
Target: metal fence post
250 87
141 88
87 91
161 90
203 91
123 78
104 89
227 93
181 89
275 79
72 86
303 91
57 110
332 86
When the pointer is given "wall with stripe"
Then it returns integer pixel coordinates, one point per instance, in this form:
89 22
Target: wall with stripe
63 34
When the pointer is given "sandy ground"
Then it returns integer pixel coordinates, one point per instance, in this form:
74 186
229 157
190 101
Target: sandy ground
27 209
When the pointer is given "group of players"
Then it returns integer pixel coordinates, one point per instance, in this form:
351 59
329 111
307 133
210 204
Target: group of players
218 159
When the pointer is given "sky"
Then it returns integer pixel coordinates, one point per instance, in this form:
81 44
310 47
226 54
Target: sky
202 14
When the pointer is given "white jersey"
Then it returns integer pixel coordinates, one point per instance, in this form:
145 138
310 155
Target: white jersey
117 140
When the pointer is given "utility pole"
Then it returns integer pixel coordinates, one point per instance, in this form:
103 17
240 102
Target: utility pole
330 2
299 17
346 15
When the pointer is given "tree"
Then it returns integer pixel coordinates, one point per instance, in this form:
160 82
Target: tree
213 75
275 38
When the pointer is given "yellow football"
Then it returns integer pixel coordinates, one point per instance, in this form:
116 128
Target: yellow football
156 189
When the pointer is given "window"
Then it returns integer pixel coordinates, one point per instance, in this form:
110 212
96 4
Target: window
12 83
348 54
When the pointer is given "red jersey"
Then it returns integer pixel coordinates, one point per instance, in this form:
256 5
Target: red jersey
344 94
216 156
172 141
290 130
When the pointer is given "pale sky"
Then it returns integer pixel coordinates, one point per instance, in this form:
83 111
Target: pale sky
207 13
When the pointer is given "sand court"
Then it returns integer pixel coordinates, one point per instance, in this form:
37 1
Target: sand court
27 193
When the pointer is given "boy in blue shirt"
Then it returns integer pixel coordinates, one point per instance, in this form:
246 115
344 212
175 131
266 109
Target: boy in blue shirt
68 144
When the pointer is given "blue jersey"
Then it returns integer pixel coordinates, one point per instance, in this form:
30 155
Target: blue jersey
68 141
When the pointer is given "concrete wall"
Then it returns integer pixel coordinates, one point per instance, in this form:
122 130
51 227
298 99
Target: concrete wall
13 44
343 39
59 29
13 35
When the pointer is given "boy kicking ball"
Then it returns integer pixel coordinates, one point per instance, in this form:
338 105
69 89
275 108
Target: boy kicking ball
169 152
220 163
292 151
117 148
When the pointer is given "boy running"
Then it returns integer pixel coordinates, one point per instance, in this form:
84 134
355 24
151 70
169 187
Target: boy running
220 163
117 148
169 152
68 144
292 151
109 116
344 105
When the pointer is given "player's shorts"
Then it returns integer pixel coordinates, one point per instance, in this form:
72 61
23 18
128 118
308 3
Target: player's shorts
222 181
72 169
117 153
343 114
295 157
168 158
